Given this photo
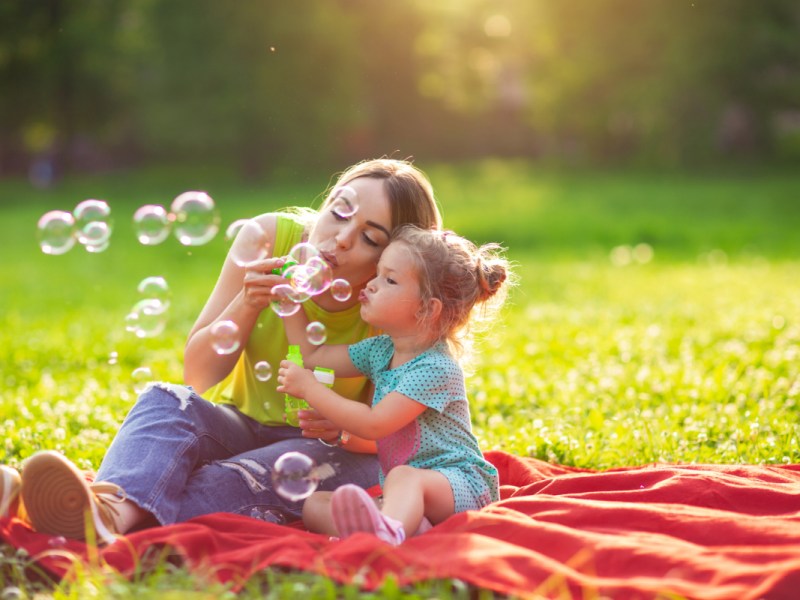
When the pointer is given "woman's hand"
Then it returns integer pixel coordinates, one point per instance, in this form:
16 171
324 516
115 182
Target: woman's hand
259 281
314 425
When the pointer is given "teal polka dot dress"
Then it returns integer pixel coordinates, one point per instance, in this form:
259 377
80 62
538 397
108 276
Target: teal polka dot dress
441 437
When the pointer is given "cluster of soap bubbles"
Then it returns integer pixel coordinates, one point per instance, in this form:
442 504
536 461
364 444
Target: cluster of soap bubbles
89 224
295 475
148 317
307 274
193 218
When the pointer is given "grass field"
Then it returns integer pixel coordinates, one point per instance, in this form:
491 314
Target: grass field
657 316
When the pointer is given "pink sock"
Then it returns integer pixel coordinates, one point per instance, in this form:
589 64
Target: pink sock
395 533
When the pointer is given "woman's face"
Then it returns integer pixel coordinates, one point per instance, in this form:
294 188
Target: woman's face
352 244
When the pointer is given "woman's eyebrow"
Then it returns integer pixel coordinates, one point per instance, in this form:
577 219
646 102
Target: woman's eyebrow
379 226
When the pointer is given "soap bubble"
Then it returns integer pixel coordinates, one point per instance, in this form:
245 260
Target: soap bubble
311 278
316 333
287 300
196 218
225 337
249 241
152 224
141 376
263 370
92 210
294 476
621 256
341 290
131 322
297 277
318 276
147 318
155 287
233 229
95 236
345 201
642 253
56 232
301 253
93 223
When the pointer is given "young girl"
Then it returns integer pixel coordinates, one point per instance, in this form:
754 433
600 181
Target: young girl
424 297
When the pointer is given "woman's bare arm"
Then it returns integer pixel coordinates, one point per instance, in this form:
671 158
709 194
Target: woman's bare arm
239 295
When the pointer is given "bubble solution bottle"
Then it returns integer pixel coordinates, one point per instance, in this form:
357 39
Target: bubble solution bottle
293 404
281 270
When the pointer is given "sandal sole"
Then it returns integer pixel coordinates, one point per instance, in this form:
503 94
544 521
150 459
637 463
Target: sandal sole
56 496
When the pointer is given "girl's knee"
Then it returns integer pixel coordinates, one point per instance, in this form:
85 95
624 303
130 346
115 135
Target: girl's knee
317 513
401 473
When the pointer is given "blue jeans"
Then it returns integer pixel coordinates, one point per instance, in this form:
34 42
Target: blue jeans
178 456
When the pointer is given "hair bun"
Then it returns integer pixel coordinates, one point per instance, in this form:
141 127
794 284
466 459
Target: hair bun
491 276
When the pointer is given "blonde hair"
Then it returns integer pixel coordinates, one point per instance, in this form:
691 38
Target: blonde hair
410 193
470 281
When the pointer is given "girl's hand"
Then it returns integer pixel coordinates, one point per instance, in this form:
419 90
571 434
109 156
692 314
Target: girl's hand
294 379
259 281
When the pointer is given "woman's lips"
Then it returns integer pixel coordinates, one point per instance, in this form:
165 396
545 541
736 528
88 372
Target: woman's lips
330 259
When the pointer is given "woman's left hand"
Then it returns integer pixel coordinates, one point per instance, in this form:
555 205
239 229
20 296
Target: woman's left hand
314 425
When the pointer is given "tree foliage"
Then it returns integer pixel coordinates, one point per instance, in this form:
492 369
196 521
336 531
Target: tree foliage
267 84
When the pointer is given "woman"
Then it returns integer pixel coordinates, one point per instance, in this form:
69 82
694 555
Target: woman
178 455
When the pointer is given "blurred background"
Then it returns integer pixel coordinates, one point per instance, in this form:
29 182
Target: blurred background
268 87
638 158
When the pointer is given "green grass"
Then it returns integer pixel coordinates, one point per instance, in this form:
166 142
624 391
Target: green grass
685 350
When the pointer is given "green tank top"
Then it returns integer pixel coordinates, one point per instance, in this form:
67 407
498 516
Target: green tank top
259 399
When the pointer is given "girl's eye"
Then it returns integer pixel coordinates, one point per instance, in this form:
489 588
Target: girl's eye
391 281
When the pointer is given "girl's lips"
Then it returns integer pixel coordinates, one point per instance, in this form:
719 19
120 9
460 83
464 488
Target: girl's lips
362 296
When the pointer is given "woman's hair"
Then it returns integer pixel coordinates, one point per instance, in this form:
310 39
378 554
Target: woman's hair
470 281
411 198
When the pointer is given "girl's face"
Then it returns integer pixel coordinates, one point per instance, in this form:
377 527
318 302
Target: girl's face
391 301
352 245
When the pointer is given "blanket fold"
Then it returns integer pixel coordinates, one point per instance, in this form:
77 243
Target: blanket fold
696 531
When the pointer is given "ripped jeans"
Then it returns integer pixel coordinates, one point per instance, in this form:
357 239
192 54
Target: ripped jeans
178 456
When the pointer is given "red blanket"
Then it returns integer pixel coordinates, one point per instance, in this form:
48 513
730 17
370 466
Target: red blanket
697 531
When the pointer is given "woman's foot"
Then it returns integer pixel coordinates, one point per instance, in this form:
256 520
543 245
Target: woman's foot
10 484
59 500
353 510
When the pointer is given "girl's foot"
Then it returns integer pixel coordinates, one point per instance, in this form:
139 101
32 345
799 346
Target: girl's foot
353 510
424 526
10 484
59 500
